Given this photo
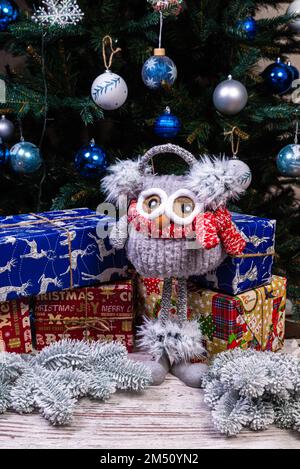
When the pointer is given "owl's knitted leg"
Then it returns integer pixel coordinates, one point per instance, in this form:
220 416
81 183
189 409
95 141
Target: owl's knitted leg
182 301
159 369
190 374
166 301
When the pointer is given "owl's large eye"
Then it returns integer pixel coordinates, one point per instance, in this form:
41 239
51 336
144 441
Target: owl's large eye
183 206
151 203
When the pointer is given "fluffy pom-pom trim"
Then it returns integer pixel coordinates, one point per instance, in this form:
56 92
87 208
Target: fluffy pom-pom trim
123 180
180 343
214 181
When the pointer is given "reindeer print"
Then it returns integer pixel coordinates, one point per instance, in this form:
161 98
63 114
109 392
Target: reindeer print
35 254
106 275
251 274
254 240
19 291
8 240
10 264
90 249
45 282
103 252
65 242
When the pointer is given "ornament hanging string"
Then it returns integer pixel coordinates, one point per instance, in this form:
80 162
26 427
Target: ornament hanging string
235 144
296 133
161 22
107 40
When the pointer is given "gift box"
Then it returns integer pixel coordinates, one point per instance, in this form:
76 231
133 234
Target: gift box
251 269
57 250
253 319
15 332
103 312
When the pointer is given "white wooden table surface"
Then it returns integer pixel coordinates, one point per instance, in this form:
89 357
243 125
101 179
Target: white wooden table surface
169 416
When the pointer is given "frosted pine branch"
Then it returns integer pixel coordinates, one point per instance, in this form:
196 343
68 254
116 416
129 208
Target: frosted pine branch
247 388
52 381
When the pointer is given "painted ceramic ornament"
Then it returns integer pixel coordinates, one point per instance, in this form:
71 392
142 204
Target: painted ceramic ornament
109 91
241 171
159 70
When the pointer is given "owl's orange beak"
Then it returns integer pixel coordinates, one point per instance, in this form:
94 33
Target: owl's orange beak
162 221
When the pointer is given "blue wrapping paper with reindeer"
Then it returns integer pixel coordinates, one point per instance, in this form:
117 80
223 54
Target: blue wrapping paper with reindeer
51 251
253 268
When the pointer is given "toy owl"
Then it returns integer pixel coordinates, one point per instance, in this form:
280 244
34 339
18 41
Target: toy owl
176 227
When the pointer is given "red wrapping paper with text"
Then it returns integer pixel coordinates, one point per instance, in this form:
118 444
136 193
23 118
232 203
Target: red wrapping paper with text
15 332
103 312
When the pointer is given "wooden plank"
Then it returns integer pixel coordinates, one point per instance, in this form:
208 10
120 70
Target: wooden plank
169 416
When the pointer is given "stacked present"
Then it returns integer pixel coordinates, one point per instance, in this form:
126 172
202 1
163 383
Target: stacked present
240 304
61 259
78 282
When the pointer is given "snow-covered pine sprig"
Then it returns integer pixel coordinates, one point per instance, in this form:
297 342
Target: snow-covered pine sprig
248 388
53 380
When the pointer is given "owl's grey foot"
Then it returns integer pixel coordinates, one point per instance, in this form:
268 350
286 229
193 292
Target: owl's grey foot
190 374
159 370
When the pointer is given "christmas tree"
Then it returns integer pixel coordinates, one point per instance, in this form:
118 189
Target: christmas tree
50 100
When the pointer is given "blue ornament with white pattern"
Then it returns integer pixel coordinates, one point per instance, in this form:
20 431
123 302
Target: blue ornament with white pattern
167 125
159 70
90 160
9 12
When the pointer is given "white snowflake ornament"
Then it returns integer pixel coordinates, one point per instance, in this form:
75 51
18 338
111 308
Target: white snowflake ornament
58 13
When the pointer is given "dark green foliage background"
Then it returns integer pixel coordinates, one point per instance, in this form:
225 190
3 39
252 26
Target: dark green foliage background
205 46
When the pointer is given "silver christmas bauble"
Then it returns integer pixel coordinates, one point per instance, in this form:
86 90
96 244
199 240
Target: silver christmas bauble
109 91
288 160
7 128
294 9
241 172
230 96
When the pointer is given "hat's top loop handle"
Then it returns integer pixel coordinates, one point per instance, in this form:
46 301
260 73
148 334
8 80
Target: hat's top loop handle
168 148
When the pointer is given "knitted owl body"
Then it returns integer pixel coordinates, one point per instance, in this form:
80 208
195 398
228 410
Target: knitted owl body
176 227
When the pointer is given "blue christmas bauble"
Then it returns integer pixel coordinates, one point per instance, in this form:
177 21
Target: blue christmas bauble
4 155
288 160
90 160
294 71
9 12
278 77
159 70
248 27
25 158
167 125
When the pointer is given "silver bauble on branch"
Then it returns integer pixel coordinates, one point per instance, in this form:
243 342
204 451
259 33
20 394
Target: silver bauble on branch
109 91
288 160
230 96
241 171
294 9
7 128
